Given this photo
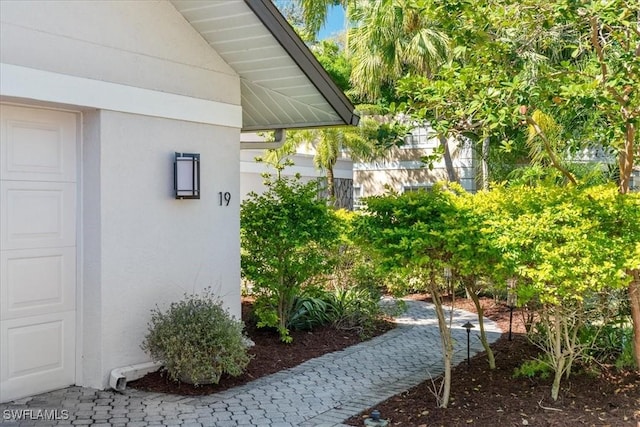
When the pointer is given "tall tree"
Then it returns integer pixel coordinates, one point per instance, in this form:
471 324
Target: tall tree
603 75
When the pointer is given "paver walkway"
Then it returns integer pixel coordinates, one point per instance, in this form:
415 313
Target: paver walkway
320 392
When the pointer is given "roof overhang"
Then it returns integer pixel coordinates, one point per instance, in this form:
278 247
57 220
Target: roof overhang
282 84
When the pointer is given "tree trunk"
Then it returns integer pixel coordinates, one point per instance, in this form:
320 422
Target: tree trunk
485 163
483 335
625 159
331 192
448 163
447 344
634 299
626 167
558 360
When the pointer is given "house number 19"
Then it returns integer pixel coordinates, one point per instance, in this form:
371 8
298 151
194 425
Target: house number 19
224 198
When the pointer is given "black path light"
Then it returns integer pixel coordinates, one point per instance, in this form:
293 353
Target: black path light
468 327
512 300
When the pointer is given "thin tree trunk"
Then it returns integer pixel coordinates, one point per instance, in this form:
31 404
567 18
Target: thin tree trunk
558 359
331 191
625 158
626 167
483 335
552 155
448 163
634 299
447 344
485 163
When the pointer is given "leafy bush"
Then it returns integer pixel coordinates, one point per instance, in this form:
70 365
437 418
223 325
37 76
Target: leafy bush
285 234
610 343
356 308
197 340
308 312
533 368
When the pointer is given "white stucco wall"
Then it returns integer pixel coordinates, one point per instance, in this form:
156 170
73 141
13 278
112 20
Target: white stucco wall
153 247
251 172
118 63
145 44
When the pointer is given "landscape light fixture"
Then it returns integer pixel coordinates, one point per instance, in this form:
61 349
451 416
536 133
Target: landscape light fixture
448 274
186 173
374 420
468 327
512 300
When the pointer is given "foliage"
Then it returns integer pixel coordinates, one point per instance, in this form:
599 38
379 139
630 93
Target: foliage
409 234
389 38
309 311
354 287
369 141
333 59
197 340
533 368
284 234
568 246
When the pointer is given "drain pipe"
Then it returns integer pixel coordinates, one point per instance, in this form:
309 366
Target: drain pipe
119 376
279 135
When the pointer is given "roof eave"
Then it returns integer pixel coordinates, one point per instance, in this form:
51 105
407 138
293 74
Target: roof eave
267 12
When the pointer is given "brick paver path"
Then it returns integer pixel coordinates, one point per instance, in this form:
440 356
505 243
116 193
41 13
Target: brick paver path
320 392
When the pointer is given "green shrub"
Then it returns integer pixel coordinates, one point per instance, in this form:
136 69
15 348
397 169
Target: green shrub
533 368
285 234
356 308
197 340
308 312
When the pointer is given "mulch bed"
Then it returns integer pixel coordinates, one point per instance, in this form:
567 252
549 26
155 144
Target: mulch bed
270 355
484 397
479 397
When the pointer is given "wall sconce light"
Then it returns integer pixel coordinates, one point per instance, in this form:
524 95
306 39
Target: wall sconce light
186 172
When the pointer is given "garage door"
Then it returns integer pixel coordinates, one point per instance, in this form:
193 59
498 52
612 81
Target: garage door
37 250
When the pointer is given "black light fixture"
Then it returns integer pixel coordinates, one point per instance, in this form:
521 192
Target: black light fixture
512 300
468 327
186 173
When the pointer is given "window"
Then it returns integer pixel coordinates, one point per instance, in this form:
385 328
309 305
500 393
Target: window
416 187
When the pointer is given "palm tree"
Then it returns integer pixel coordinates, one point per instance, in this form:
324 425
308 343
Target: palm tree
390 38
330 143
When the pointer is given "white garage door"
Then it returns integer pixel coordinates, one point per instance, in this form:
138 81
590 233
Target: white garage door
37 250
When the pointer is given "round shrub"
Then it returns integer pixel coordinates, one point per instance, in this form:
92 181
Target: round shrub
197 340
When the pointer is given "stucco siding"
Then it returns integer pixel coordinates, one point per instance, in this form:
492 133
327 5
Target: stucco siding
145 44
155 248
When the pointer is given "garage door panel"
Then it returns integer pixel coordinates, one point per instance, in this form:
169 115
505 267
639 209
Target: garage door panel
36 145
37 215
37 281
38 354
37 250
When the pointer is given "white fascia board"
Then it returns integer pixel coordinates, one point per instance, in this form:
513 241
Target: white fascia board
29 83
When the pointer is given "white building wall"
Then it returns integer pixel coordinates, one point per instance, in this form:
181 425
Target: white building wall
251 179
145 44
156 248
138 245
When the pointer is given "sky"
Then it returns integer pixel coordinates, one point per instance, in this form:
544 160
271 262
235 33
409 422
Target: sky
334 24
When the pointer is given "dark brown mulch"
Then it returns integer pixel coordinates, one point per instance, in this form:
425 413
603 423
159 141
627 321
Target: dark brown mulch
483 397
270 355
